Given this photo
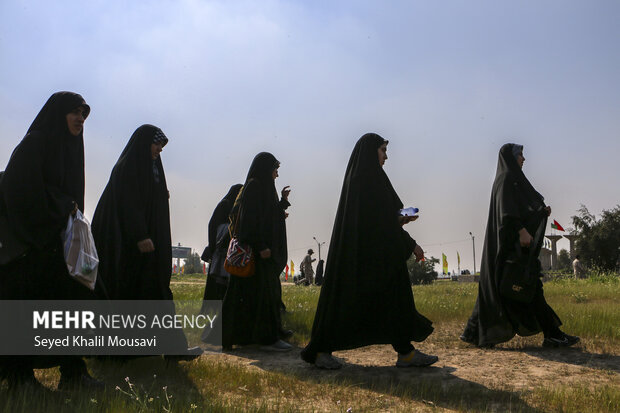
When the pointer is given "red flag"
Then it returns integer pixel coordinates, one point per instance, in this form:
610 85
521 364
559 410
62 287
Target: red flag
204 267
286 273
556 225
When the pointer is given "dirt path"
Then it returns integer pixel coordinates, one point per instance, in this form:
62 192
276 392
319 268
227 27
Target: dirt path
500 373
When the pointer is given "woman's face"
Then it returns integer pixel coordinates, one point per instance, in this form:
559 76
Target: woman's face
382 151
75 121
156 149
520 159
274 174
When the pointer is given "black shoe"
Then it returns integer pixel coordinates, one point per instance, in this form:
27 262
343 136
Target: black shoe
192 353
284 334
563 341
82 381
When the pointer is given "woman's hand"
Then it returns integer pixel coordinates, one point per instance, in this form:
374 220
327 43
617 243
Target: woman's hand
525 239
548 210
146 245
285 191
402 220
266 253
419 253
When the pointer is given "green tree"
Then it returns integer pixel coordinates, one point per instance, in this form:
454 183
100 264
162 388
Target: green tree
598 242
193 265
422 272
564 261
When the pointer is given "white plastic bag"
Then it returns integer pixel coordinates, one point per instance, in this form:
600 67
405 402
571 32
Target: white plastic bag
80 252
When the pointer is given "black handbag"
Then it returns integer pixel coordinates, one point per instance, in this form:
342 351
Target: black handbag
518 281
11 248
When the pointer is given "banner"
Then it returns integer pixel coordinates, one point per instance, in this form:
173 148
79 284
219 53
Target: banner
445 263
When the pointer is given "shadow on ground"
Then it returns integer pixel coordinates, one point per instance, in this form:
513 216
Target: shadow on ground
434 386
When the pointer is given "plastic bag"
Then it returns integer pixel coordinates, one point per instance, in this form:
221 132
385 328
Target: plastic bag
80 252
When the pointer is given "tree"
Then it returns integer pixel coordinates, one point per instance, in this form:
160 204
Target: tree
422 272
564 262
598 241
193 264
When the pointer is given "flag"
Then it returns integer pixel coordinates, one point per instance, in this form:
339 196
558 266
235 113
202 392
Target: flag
183 269
292 268
174 269
445 263
556 225
458 257
204 267
286 273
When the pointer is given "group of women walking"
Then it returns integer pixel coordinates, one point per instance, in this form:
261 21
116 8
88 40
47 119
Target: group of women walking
366 297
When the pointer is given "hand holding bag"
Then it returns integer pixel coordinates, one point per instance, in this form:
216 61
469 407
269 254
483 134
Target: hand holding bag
80 252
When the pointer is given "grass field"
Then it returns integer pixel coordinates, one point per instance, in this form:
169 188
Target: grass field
516 376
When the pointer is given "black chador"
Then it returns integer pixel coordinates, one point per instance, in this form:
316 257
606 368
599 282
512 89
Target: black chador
366 297
131 227
134 208
41 187
250 311
515 205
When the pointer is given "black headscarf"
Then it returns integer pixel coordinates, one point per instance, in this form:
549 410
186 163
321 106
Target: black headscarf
45 175
134 207
366 296
514 204
261 219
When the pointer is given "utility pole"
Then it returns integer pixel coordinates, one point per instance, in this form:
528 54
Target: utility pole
319 245
473 245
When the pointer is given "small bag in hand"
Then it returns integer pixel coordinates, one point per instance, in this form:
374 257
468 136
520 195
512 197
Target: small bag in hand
80 252
518 283
239 259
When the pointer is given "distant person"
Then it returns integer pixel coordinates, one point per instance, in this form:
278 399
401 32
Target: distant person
43 185
366 297
578 270
215 252
306 264
131 227
516 212
251 307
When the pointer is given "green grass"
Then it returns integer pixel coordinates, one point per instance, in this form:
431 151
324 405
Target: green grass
589 308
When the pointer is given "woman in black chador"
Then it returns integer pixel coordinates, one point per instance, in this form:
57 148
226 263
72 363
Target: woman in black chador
131 226
517 220
42 186
215 252
251 308
366 296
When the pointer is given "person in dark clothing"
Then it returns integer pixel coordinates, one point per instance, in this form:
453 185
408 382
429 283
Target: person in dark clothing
250 311
366 297
215 252
131 228
516 212
43 184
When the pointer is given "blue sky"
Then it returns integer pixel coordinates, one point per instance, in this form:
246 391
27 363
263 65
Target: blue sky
446 82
